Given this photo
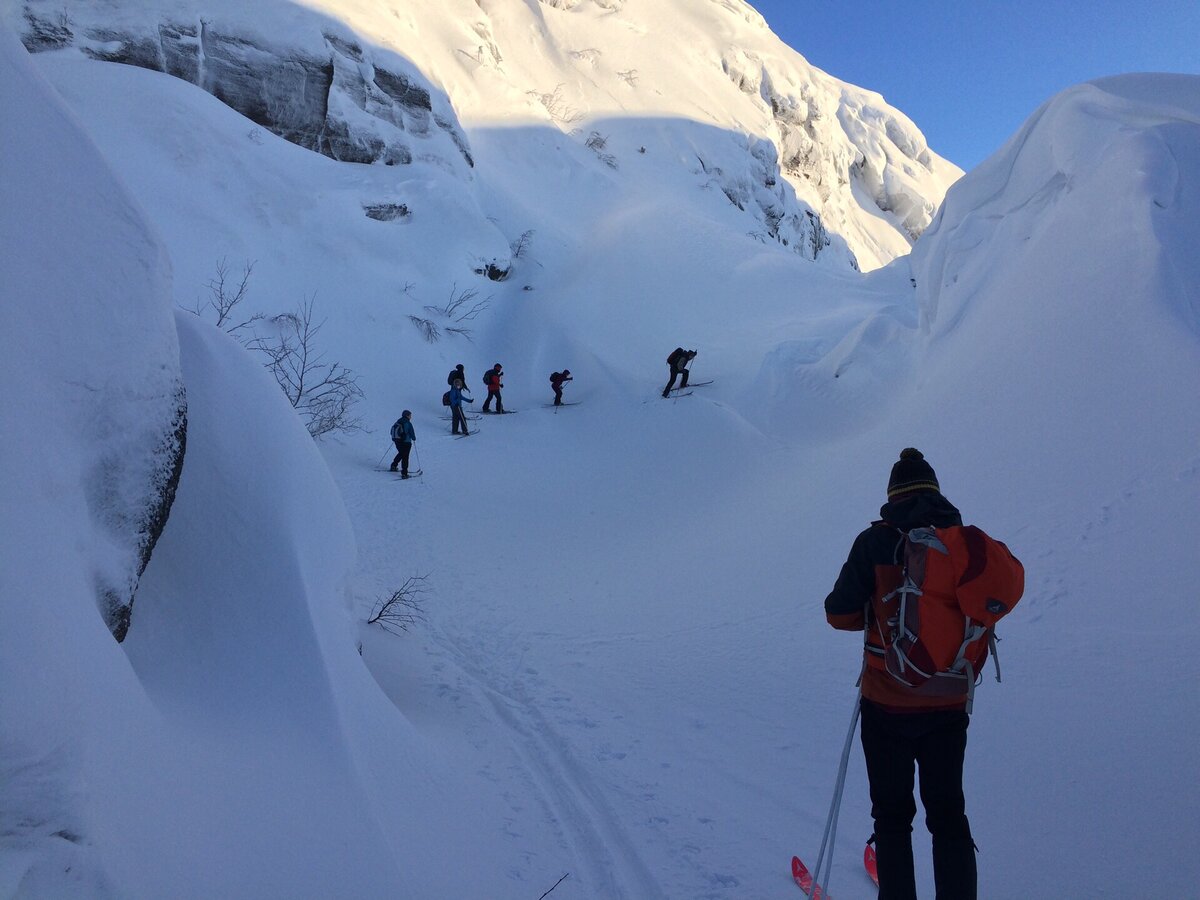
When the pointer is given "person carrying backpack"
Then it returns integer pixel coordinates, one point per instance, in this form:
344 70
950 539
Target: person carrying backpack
678 361
557 380
926 592
456 398
492 379
403 436
458 373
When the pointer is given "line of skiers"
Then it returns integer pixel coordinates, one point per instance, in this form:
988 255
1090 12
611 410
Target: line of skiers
404 436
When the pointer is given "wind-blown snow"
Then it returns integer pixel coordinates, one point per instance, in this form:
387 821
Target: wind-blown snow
624 672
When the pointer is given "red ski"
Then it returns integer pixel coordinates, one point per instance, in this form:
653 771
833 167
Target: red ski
804 880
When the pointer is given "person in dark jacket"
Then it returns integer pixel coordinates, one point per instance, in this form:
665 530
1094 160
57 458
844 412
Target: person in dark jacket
457 395
458 373
557 380
403 436
901 728
492 379
678 361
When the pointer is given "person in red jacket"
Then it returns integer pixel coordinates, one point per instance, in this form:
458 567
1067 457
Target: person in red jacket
492 379
903 729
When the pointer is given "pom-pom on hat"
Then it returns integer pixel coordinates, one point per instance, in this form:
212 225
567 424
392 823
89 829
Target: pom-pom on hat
911 473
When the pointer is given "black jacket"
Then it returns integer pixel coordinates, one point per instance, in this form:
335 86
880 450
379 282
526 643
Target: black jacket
879 545
456 375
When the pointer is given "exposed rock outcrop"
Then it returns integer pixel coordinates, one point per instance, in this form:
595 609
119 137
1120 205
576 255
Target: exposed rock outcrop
339 102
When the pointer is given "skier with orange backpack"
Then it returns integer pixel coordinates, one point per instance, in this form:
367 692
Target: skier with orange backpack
927 592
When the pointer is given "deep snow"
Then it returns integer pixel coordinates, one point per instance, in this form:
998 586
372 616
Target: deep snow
624 672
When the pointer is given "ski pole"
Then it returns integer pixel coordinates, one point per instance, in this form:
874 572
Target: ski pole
419 466
835 806
382 458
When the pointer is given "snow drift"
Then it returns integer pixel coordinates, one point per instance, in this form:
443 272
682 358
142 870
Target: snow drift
97 367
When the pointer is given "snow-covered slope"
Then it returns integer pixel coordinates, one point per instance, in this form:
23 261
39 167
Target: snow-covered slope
623 673
820 165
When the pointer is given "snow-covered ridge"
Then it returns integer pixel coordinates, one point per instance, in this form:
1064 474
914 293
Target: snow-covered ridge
1085 138
392 82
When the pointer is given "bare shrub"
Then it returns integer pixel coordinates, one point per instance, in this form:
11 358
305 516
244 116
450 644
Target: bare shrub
226 291
396 613
324 393
520 246
597 143
462 306
558 109
461 332
427 327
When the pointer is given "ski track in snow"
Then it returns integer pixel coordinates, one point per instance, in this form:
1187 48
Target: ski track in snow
600 844
605 856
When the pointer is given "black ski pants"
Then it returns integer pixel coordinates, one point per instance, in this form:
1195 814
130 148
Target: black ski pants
403 448
557 396
675 373
488 401
457 418
934 743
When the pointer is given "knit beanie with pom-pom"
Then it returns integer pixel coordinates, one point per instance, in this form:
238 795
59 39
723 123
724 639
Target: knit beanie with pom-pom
911 473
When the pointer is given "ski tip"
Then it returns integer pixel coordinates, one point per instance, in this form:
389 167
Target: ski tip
801 875
870 864
804 881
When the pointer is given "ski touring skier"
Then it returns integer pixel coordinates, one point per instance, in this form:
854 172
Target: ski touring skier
678 361
492 379
458 373
557 380
910 722
403 436
457 392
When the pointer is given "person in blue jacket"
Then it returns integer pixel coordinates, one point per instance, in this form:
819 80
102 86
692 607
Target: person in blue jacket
403 436
458 393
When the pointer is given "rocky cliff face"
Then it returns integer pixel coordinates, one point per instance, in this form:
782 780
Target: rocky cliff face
829 170
337 102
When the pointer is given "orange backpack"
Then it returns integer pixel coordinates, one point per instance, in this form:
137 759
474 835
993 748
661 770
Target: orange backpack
936 628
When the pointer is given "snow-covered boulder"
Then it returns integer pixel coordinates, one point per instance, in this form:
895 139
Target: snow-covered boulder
93 407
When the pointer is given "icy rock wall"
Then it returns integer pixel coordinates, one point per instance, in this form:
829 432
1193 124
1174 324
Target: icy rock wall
329 96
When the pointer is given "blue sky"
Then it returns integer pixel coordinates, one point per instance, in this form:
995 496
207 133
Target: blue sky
970 72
